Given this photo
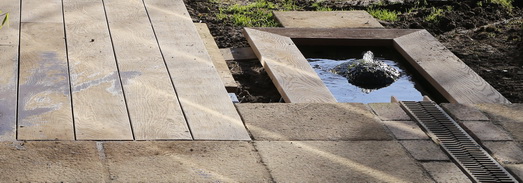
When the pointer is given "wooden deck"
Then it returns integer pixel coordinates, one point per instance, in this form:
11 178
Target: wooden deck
109 70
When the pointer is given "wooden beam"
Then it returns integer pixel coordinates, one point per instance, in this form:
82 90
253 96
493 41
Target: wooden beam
44 104
339 33
447 73
207 106
217 58
292 75
98 102
238 54
9 39
152 102
326 19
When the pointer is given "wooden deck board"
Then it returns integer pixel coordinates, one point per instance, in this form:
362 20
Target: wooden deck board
445 71
44 104
152 102
326 19
238 54
217 58
289 70
9 39
98 102
207 106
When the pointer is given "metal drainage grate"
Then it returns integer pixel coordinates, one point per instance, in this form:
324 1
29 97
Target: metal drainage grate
472 158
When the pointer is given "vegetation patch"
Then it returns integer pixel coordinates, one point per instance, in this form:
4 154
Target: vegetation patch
255 14
384 14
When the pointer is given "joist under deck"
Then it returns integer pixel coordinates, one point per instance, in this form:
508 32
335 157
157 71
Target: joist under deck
109 70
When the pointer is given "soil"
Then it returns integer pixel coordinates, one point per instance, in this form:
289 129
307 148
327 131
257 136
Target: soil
488 38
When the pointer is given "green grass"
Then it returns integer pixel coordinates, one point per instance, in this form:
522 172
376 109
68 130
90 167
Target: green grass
5 21
255 14
383 14
505 3
435 14
318 7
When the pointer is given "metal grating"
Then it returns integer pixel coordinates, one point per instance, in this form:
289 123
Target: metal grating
470 156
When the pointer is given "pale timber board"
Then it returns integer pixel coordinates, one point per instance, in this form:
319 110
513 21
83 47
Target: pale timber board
44 11
9 33
238 54
98 102
326 19
289 70
152 102
217 58
447 73
8 92
340 33
206 104
44 104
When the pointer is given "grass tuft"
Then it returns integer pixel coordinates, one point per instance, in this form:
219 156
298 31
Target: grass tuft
384 14
5 21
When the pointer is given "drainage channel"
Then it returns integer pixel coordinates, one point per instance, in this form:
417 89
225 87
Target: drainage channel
469 155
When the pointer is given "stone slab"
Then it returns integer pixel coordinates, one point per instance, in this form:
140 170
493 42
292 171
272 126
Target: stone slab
390 112
445 172
464 112
184 161
326 19
424 150
50 161
510 116
343 161
485 130
312 121
406 130
507 152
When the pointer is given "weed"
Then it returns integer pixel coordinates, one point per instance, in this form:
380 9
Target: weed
256 14
505 3
434 15
383 14
318 7
5 20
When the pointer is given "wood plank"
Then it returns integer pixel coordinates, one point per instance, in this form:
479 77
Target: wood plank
98 101
9 33
238 54
217 58
152 102
446 72
44 104
340 33
207 106
292 75
9 38
44 11
326 19
8 91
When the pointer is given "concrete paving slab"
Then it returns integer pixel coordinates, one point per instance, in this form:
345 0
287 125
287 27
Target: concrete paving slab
390 112
507 152
424 150
510 116
406 130
46 161
312 121
184 161
445 172
347 161
464 112
485 130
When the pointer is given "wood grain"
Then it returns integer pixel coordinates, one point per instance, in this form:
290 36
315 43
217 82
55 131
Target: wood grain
44 11
217 58
9 33
206 104
153 107
289 70
98 102
446 72
339 33
8 91
238 54
326 19
44 104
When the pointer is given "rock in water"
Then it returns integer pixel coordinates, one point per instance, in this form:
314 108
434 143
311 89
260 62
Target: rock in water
368 73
